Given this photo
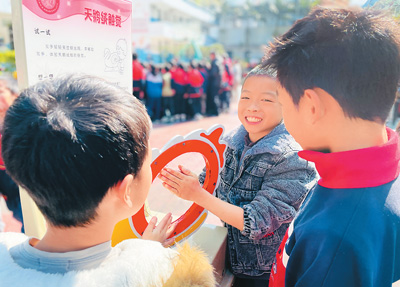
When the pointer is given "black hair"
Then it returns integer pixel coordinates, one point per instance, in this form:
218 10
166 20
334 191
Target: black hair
68 140
134 56
153 70
353 54
260 71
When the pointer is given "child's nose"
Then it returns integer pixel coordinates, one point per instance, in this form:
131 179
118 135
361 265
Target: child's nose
253 107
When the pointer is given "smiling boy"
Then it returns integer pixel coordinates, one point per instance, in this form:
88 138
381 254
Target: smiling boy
262 183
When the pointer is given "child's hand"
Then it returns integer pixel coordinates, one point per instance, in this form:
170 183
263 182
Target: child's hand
183 183
160 232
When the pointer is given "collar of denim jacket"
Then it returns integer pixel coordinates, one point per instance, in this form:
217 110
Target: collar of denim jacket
361 168
236 140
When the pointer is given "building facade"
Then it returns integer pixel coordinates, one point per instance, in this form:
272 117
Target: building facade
245 28
6 34
162 28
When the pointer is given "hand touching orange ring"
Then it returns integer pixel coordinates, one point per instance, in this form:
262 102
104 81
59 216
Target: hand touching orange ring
209 145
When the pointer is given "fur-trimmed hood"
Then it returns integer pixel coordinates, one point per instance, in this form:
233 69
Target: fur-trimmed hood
138 263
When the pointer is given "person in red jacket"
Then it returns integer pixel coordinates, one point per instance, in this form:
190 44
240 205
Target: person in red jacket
194 91
179 83
137 77
226 85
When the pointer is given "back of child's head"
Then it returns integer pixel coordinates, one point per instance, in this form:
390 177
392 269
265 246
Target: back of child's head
352 54
67 141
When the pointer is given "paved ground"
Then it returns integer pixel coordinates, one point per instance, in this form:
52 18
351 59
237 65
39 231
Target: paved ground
159 199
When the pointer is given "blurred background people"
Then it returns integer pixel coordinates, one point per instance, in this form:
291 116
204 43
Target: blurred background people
154 84
214 85
8 188
204 72
168 95
226 85
194 92
137 77
179 82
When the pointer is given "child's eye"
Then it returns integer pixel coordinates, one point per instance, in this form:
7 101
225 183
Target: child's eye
244 98
266 100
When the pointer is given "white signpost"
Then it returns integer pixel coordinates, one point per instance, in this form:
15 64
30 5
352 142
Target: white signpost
55 37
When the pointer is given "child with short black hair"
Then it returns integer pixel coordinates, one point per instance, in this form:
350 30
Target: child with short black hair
262 184
80 147
338 71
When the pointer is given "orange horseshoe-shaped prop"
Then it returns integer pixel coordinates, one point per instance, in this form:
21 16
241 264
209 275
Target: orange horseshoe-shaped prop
209 145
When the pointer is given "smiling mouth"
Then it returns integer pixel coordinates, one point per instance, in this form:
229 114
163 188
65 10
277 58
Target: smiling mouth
253 119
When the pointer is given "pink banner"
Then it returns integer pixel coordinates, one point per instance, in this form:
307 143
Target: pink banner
99 10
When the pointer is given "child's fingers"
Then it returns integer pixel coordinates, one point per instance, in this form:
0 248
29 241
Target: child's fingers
165 222
168 242
171 229
175 173
152 223
150 227
187 172
167 174
169 181
170 188
184 170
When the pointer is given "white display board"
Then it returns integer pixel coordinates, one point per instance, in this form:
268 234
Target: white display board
91 37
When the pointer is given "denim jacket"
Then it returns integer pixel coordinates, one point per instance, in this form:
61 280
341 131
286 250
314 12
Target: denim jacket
270 185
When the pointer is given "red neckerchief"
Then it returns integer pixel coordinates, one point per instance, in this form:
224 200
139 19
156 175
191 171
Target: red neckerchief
368 167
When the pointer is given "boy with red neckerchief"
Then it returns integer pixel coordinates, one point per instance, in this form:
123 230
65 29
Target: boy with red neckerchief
338 72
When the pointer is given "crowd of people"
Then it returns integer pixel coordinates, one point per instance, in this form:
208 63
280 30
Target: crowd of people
175 92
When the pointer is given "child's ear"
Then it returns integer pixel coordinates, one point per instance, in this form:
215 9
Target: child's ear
313 105
124 190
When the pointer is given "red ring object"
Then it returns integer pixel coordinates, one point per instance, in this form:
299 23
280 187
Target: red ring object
211 159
